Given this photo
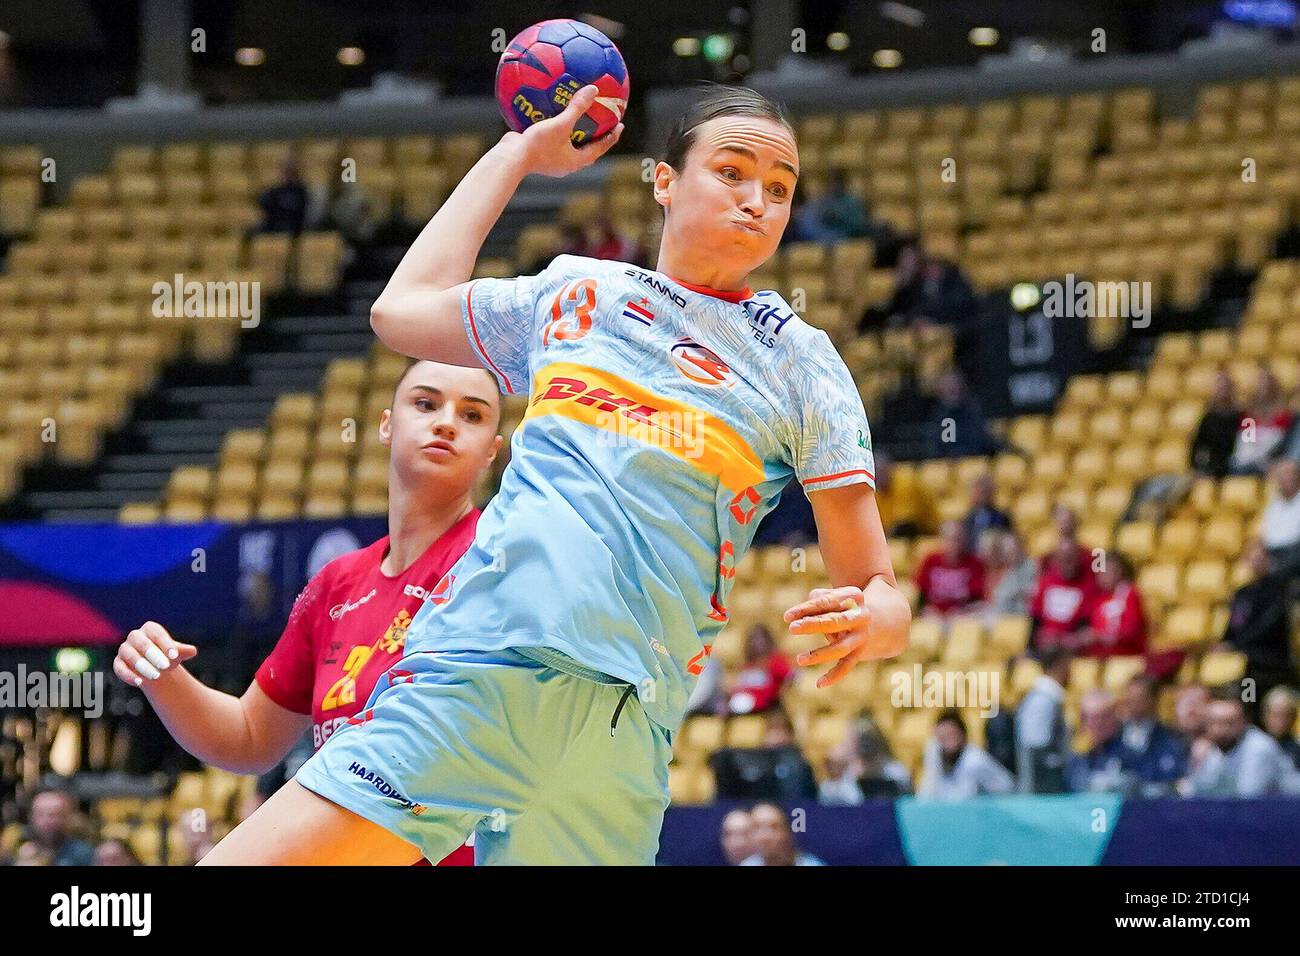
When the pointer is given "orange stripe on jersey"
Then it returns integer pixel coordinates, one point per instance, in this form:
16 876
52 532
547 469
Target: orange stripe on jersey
840 474
611 403
469 309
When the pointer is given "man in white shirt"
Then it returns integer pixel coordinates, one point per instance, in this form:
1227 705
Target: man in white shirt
955 769
1042 736
1243 760
1279 526
774 841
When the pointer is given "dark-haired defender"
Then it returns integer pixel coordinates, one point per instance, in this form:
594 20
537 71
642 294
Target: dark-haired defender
666 411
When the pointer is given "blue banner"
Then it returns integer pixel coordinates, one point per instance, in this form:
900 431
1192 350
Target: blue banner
1074 829
90 583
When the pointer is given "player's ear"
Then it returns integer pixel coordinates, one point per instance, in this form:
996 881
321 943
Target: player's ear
386 428
497 442
664 174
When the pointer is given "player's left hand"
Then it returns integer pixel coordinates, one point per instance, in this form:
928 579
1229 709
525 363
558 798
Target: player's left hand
854 629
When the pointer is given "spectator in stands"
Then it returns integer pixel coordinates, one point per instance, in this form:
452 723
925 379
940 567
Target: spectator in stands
284 206
351 215
958 427
1279 526
1016 580
1189 716
709 696
1257 623
737 837
1117 624
955 769
758 685
1264 426
1243 761
1217 433
1066 523
1063 599
115 853
1106 766
31 853
775 771
1042 733
842 770
984 515
50 827
928 291
951 580
906 508
833 215
1158 753
1280 709
882 776
196 838
605 242
774 840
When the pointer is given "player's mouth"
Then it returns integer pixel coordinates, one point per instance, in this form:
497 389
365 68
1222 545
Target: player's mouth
751 226
439 449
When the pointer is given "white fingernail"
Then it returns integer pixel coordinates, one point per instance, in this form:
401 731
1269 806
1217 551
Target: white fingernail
147 669
171 652
139 681
157 658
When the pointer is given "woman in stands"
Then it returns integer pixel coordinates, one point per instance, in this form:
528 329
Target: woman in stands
668 409
348 627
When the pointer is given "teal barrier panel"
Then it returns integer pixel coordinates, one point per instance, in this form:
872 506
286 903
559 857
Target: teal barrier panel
1066 830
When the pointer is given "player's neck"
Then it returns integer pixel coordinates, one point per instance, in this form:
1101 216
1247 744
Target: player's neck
417 521
695 271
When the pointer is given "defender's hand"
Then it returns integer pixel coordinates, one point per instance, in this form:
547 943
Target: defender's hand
148 653
857 628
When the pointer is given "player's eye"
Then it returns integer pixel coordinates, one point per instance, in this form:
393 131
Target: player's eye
424 404
778 189
474 415
730 172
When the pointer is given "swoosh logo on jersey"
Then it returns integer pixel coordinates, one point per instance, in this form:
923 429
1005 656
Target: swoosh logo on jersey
599 398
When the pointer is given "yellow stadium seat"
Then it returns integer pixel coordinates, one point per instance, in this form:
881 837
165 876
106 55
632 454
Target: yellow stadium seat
1160 581
1180 538
1223 536
1222 667
1119 670
1185 626
1207 580
1009 636
1137 540
963 646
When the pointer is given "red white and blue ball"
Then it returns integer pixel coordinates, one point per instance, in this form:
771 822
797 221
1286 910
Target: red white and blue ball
547 63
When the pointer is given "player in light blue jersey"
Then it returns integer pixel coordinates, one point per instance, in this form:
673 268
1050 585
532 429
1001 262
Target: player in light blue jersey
666 410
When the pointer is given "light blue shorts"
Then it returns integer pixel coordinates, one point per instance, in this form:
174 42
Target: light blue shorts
511 749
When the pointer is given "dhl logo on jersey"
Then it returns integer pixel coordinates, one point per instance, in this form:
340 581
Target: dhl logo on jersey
613 404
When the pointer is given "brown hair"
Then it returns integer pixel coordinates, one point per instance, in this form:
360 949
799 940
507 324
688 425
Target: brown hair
717 101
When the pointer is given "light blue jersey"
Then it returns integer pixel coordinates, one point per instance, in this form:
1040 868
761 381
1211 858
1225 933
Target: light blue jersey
663 422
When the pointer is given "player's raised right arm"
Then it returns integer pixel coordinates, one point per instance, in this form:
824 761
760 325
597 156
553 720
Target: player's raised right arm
419 311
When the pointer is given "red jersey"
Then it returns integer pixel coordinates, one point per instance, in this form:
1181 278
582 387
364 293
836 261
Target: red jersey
1062 607
949 586
348 627
1120 625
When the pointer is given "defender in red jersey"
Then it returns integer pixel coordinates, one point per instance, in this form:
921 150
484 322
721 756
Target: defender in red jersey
348 626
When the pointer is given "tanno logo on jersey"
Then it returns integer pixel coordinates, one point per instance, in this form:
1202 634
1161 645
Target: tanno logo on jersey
659 285
338 610
699 363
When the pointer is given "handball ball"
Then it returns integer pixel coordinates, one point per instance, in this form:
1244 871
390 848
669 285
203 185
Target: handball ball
547 63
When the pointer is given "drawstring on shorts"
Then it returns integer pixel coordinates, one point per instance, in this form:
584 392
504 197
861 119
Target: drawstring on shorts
613 721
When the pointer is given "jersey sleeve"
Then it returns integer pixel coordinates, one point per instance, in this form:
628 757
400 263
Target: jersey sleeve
288 674
832 441
500 318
